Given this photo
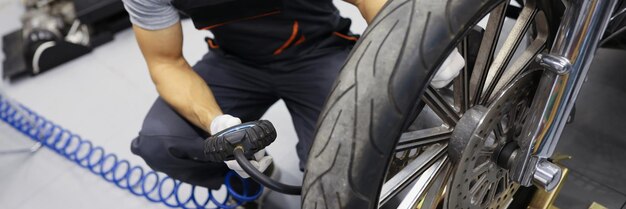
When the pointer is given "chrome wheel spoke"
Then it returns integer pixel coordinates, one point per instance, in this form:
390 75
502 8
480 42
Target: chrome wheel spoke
461 82
502 60
423 184
435 192
527 57
441 107
411 172
419 138
486 52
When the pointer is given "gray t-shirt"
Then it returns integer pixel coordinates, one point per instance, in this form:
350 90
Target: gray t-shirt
151 14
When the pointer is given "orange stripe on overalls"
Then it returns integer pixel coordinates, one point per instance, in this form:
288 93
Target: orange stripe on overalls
294 33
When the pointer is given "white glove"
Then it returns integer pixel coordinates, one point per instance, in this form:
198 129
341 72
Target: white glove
261 161
449 70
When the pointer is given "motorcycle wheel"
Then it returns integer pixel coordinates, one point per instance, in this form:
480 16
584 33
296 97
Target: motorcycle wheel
366 123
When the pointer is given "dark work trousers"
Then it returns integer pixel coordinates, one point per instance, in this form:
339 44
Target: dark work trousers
172 145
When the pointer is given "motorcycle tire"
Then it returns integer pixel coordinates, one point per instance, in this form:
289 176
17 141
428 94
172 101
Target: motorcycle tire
377 96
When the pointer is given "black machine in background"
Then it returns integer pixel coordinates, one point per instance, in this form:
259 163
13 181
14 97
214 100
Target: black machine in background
56 31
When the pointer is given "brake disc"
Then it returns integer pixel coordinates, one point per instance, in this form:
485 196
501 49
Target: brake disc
478 181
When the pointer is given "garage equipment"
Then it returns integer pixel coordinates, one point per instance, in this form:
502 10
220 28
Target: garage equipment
56 31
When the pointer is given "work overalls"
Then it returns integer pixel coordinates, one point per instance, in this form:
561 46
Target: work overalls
263 51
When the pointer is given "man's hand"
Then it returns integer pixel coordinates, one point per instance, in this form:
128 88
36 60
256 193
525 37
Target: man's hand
260 162
449 70
223 122
368 8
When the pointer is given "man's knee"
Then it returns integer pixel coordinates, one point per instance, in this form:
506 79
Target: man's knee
152 150
161 155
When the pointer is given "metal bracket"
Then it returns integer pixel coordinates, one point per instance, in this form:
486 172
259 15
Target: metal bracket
557 64
547 175
543 199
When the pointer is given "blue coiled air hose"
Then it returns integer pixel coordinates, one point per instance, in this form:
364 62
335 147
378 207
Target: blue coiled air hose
156 187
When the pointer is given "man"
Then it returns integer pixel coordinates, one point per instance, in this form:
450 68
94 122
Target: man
263 50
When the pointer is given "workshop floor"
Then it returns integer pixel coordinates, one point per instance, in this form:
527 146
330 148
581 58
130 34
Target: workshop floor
104 96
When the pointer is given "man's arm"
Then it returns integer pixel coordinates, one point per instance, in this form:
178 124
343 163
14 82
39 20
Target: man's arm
368 8
174 78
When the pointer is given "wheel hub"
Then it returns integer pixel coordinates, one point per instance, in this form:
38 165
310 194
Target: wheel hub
482 144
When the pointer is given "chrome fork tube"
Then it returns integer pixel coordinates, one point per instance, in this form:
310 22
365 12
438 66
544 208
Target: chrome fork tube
579 34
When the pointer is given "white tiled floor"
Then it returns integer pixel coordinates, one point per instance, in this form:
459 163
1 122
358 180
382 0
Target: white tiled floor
103 97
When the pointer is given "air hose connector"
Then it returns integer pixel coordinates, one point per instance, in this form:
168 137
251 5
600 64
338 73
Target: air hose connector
240 143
